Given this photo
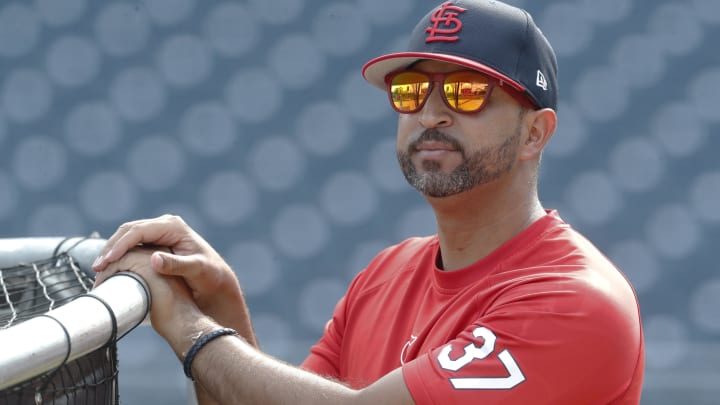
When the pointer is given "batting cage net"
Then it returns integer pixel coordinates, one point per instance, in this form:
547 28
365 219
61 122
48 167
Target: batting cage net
57 337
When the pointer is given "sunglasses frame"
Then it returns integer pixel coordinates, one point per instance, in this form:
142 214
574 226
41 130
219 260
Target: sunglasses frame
440 78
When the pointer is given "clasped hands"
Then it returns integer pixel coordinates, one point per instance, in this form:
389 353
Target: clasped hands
186 276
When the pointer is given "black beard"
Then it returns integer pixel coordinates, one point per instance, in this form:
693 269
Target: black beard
481 167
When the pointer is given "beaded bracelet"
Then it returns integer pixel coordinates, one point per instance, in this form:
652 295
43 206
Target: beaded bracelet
199 344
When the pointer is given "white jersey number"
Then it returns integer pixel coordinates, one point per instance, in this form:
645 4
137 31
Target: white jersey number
472 352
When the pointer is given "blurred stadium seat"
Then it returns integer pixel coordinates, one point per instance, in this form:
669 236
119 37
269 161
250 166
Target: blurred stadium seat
251 120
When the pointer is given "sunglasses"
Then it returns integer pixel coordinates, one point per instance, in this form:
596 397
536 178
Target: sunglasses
462 91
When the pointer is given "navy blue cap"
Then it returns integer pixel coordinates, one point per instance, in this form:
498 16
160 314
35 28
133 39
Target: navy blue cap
485 35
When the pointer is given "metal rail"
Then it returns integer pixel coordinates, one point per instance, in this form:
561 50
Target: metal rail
40 344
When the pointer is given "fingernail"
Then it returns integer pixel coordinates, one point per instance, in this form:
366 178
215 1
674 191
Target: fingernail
97 261
157 260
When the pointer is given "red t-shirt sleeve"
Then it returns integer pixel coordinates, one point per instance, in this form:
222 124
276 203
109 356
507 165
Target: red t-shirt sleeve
324 357
557 346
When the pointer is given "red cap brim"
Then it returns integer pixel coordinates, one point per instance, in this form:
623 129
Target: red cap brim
375 70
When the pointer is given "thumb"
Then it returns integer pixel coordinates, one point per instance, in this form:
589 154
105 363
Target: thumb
176 265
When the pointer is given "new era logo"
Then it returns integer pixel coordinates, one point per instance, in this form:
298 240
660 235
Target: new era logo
541 81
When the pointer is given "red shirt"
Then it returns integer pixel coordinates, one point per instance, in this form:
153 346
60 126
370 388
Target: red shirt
544 319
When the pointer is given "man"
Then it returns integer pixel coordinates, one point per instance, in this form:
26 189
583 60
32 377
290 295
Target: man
507 304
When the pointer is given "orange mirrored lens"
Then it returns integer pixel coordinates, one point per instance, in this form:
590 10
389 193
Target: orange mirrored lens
466 91
463 91
408 90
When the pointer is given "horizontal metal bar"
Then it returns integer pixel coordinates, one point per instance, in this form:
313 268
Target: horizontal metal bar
40 344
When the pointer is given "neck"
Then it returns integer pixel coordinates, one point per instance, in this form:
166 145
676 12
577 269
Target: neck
474 223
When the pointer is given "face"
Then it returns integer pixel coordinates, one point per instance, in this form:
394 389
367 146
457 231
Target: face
443 153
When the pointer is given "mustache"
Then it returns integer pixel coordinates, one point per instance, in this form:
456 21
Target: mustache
434 135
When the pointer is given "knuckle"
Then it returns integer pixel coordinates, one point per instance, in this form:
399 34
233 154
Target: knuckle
177 219
170 217
125 226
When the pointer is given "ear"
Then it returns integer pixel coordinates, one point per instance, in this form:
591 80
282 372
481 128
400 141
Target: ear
540 126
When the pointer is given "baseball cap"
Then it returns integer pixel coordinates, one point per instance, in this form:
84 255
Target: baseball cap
492 37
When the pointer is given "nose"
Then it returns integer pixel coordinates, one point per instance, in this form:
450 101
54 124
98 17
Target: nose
435 113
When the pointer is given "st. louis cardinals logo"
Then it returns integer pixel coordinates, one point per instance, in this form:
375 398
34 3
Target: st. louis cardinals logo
445 23
404 352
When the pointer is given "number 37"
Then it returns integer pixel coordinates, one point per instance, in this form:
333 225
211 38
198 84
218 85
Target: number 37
472 352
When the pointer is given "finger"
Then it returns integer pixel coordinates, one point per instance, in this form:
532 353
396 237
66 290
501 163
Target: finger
100 277
119 233
192 269
165 230
136 260
188 267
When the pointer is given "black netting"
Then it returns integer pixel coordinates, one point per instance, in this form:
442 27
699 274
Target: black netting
91 379
32 289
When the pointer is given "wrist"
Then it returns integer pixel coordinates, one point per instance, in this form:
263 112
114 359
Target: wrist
202 340
185 328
